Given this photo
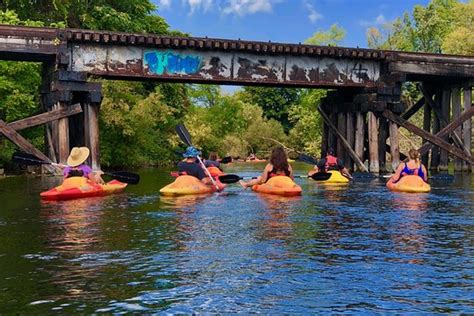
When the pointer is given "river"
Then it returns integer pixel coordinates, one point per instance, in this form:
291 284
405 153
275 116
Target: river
356 248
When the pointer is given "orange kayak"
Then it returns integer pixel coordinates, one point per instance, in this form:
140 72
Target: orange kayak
80 187
188 185
279 185
409 184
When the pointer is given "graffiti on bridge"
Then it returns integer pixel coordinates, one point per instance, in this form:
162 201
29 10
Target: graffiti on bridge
168 62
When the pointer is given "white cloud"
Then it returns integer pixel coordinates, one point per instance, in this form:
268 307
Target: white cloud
379 20
243 7
164 4
313 15
195 5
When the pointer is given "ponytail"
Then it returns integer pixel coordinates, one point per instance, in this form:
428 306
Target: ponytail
414 154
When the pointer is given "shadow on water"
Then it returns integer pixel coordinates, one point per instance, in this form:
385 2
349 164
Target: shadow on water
354 248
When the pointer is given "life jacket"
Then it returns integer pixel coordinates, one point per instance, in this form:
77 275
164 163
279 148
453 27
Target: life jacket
331 163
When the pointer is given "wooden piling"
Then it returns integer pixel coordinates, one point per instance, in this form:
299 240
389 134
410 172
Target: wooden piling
359 136
91 133
456 107
383 134
341 127
324 139
394 145
426 127
332 139
435 128
61 135
350 136
445 110
373 143
467 125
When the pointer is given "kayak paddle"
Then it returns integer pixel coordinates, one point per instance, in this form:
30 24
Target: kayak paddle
32 160
186 138
310 160
233 178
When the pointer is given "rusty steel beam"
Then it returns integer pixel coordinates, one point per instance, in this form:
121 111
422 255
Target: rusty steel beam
224 61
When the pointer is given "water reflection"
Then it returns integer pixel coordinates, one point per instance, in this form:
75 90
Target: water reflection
336 249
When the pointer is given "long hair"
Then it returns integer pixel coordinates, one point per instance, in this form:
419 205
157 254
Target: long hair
213 156
414 155
279 159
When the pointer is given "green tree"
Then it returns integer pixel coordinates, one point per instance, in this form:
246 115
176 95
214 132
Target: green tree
461 39
113 15
332 37
423 31
275 102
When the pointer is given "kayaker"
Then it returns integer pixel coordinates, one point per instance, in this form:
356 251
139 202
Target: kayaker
411 167
191 167
278 166
76 168
330 162
213 160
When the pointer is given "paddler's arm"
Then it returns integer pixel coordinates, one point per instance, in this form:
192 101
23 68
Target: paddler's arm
266 171
396 175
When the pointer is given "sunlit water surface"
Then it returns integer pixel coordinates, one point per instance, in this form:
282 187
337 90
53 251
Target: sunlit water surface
355 248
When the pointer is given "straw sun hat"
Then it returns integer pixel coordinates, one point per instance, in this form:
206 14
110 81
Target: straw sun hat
77 156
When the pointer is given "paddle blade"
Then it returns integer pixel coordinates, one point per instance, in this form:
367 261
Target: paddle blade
229 178
308 159
321 176
124 176
183 134
27 159
226 160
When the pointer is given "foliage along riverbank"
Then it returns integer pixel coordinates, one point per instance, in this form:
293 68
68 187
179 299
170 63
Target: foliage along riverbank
137 119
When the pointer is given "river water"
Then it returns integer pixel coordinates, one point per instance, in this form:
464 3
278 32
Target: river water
344 249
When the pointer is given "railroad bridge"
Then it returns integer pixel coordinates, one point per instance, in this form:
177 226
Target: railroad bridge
362 110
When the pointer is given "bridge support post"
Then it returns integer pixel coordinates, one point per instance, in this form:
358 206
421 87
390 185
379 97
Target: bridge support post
426 127
359 136
435 128
350 139
341 127
61 135
456 105
91 133
445 111
467 125
373 143
383 134
394 145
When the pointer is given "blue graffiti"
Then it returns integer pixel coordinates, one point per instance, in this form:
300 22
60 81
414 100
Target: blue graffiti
160 62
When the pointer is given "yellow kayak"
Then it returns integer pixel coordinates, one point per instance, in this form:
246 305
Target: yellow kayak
336 177
409 184
187 185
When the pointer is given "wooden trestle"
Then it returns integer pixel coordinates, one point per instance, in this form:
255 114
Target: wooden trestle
362 113
373 120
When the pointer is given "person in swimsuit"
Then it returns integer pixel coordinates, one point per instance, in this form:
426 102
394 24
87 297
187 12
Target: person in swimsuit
76 168
330 162
213 160
411 167
278 166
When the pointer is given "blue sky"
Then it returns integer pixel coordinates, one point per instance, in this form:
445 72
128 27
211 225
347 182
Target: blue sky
289 21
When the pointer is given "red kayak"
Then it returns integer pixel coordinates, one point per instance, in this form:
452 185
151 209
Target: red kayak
80 187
